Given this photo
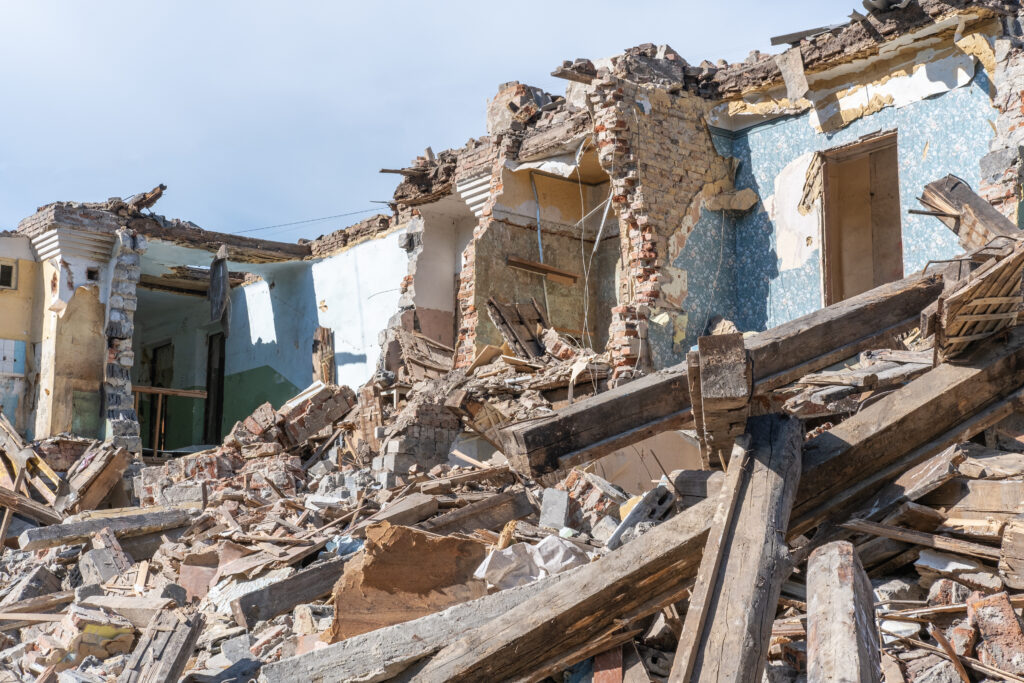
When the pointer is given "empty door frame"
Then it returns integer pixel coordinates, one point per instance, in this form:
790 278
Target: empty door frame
879 159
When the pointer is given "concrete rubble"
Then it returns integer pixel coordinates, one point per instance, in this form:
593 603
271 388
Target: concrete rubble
535 482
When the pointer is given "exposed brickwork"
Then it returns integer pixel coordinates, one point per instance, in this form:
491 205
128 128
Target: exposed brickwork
653 143
374 226
501 149
122 423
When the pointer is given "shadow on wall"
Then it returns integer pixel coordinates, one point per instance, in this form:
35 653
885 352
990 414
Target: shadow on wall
756 263
269 349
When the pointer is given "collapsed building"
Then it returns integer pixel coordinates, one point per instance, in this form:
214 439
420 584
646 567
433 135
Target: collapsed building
807 263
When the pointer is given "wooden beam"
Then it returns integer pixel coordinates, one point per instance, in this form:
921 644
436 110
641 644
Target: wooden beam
629 413
563 277
79 532
974 221
305 586
164 648
842 643
842 466
22 505
745 561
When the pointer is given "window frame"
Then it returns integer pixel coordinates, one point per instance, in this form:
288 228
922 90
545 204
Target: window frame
13 263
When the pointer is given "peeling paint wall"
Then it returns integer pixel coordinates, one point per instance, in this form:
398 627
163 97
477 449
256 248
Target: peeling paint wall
19 332
777 279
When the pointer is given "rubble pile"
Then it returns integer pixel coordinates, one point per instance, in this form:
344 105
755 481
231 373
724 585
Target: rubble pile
856 515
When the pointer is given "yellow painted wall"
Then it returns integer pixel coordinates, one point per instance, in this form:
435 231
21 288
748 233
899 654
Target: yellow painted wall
17 312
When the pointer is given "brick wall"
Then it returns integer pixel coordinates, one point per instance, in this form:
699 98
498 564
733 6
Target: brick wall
122 422
490 155
655 147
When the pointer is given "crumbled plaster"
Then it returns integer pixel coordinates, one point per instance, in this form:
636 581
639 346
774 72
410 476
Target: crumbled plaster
796 232
931 76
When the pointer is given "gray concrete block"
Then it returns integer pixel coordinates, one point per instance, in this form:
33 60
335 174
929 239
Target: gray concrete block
554 509
98 566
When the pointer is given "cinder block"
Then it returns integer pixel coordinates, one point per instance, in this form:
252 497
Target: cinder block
97 565
554 509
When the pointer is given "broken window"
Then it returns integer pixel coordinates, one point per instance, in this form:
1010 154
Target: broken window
8 274
861 234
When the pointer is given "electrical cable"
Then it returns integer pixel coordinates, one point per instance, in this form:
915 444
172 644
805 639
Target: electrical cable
303 222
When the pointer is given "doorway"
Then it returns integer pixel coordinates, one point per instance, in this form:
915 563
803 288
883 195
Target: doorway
213 414
161 374
861 232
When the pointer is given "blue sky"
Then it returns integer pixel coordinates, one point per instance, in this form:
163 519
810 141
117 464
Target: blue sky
258 113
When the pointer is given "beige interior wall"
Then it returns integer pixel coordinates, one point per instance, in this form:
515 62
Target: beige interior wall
73 355
862 223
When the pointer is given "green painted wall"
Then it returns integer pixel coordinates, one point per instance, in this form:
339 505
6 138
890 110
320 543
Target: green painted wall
245 391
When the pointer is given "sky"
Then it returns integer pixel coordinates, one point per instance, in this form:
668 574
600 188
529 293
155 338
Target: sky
258 113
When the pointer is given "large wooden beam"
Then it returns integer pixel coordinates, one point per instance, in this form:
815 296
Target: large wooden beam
632 412
842 642
27 507
840 464
732 606
305 586
79 532
974 221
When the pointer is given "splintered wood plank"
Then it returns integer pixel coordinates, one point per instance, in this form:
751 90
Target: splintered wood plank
164 648
922 538
728 624
842 643
975 221
23 505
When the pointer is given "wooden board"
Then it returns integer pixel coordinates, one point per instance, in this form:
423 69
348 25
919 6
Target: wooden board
310 584
79 532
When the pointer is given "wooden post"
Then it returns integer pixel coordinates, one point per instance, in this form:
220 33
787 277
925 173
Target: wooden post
842 642
745 560
156 423
9 512
725 385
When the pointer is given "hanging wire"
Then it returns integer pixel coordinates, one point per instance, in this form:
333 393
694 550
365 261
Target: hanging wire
540 245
